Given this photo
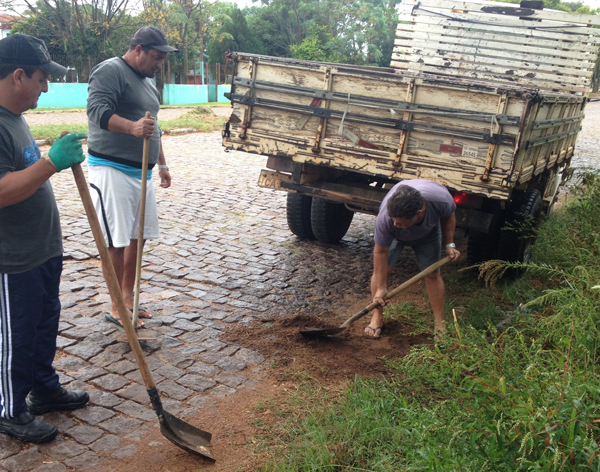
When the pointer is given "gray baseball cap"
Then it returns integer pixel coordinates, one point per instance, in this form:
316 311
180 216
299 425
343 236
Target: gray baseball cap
21 49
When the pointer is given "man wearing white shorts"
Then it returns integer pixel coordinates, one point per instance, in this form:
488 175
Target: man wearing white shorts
120 92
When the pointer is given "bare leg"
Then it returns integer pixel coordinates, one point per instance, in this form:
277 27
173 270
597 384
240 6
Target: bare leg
377 319
117 255
436 291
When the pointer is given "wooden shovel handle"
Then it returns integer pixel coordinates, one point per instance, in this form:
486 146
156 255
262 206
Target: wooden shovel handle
140 246
110 276
397 290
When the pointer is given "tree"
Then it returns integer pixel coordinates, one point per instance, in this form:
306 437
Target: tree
79 32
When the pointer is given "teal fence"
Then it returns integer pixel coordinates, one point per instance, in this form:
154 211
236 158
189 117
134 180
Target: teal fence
75 95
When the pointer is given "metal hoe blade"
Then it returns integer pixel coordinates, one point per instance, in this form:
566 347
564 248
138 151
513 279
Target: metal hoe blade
315 333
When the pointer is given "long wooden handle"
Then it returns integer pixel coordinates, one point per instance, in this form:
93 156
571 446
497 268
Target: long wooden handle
140 245
397 290
110 276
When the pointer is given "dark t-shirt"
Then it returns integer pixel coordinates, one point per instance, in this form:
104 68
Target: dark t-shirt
439 205
30 230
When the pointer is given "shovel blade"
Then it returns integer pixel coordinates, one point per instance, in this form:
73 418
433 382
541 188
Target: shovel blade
186 436
317 333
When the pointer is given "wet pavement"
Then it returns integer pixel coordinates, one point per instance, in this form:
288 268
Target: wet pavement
225 257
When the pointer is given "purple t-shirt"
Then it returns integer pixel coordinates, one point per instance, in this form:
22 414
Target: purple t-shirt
440 204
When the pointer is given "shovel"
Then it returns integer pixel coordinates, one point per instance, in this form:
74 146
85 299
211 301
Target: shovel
179 432
313 333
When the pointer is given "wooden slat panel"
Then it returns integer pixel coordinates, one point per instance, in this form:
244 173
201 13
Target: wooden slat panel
482 61
507 9
492 78
525 37
418 62
493 21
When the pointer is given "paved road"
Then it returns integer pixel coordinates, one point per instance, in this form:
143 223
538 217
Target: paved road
225 257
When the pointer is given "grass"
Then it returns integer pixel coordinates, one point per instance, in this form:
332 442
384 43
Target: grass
200 118
513 387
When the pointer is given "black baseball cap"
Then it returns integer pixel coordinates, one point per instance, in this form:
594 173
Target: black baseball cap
152 37
24 50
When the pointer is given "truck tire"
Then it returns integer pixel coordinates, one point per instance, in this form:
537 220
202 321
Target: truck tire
298 215
330 221
522 218
480 247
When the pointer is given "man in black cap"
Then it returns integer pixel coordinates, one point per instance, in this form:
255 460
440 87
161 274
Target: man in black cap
120 92
30 247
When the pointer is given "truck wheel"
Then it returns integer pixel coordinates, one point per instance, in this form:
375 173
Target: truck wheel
479 247
330 221
522 219
298 215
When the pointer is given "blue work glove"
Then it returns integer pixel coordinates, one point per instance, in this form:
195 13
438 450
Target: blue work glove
66 151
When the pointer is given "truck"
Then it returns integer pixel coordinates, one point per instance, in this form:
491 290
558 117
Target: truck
485 98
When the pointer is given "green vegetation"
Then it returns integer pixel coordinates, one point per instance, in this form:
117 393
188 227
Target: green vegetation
200 118
511 388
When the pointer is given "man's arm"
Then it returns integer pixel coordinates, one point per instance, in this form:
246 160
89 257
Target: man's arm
448 226
380 273
165 176
16 187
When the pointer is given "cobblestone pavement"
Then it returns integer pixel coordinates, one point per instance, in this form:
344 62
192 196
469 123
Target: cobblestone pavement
225 256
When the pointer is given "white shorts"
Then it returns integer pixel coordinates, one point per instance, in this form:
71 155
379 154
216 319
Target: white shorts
116 197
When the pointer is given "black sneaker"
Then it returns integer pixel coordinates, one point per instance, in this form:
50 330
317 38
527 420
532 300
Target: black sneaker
27 428
59 400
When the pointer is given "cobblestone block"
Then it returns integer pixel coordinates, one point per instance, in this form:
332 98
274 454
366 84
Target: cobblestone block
64 379
124 452
122 367
62 342
105 399
174 390
100 339
167 320
204 369
66 449
230 350
107 443
201 401
213 345
89 372
69 363
196 382
191 350
62 422
84 434
84 349
120 348
9 446
51 467
222 391
87 461
170 331
250 357
231 380
136 376
170 372
186 325
136 410
173 406
24 462
93 414
170 343
135 392
110 382
231 364
121 425
211 357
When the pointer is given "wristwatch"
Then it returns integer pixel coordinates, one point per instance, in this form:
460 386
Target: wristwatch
163 167
450 245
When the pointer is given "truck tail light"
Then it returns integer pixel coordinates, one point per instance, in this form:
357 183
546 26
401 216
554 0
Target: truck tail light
468 200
